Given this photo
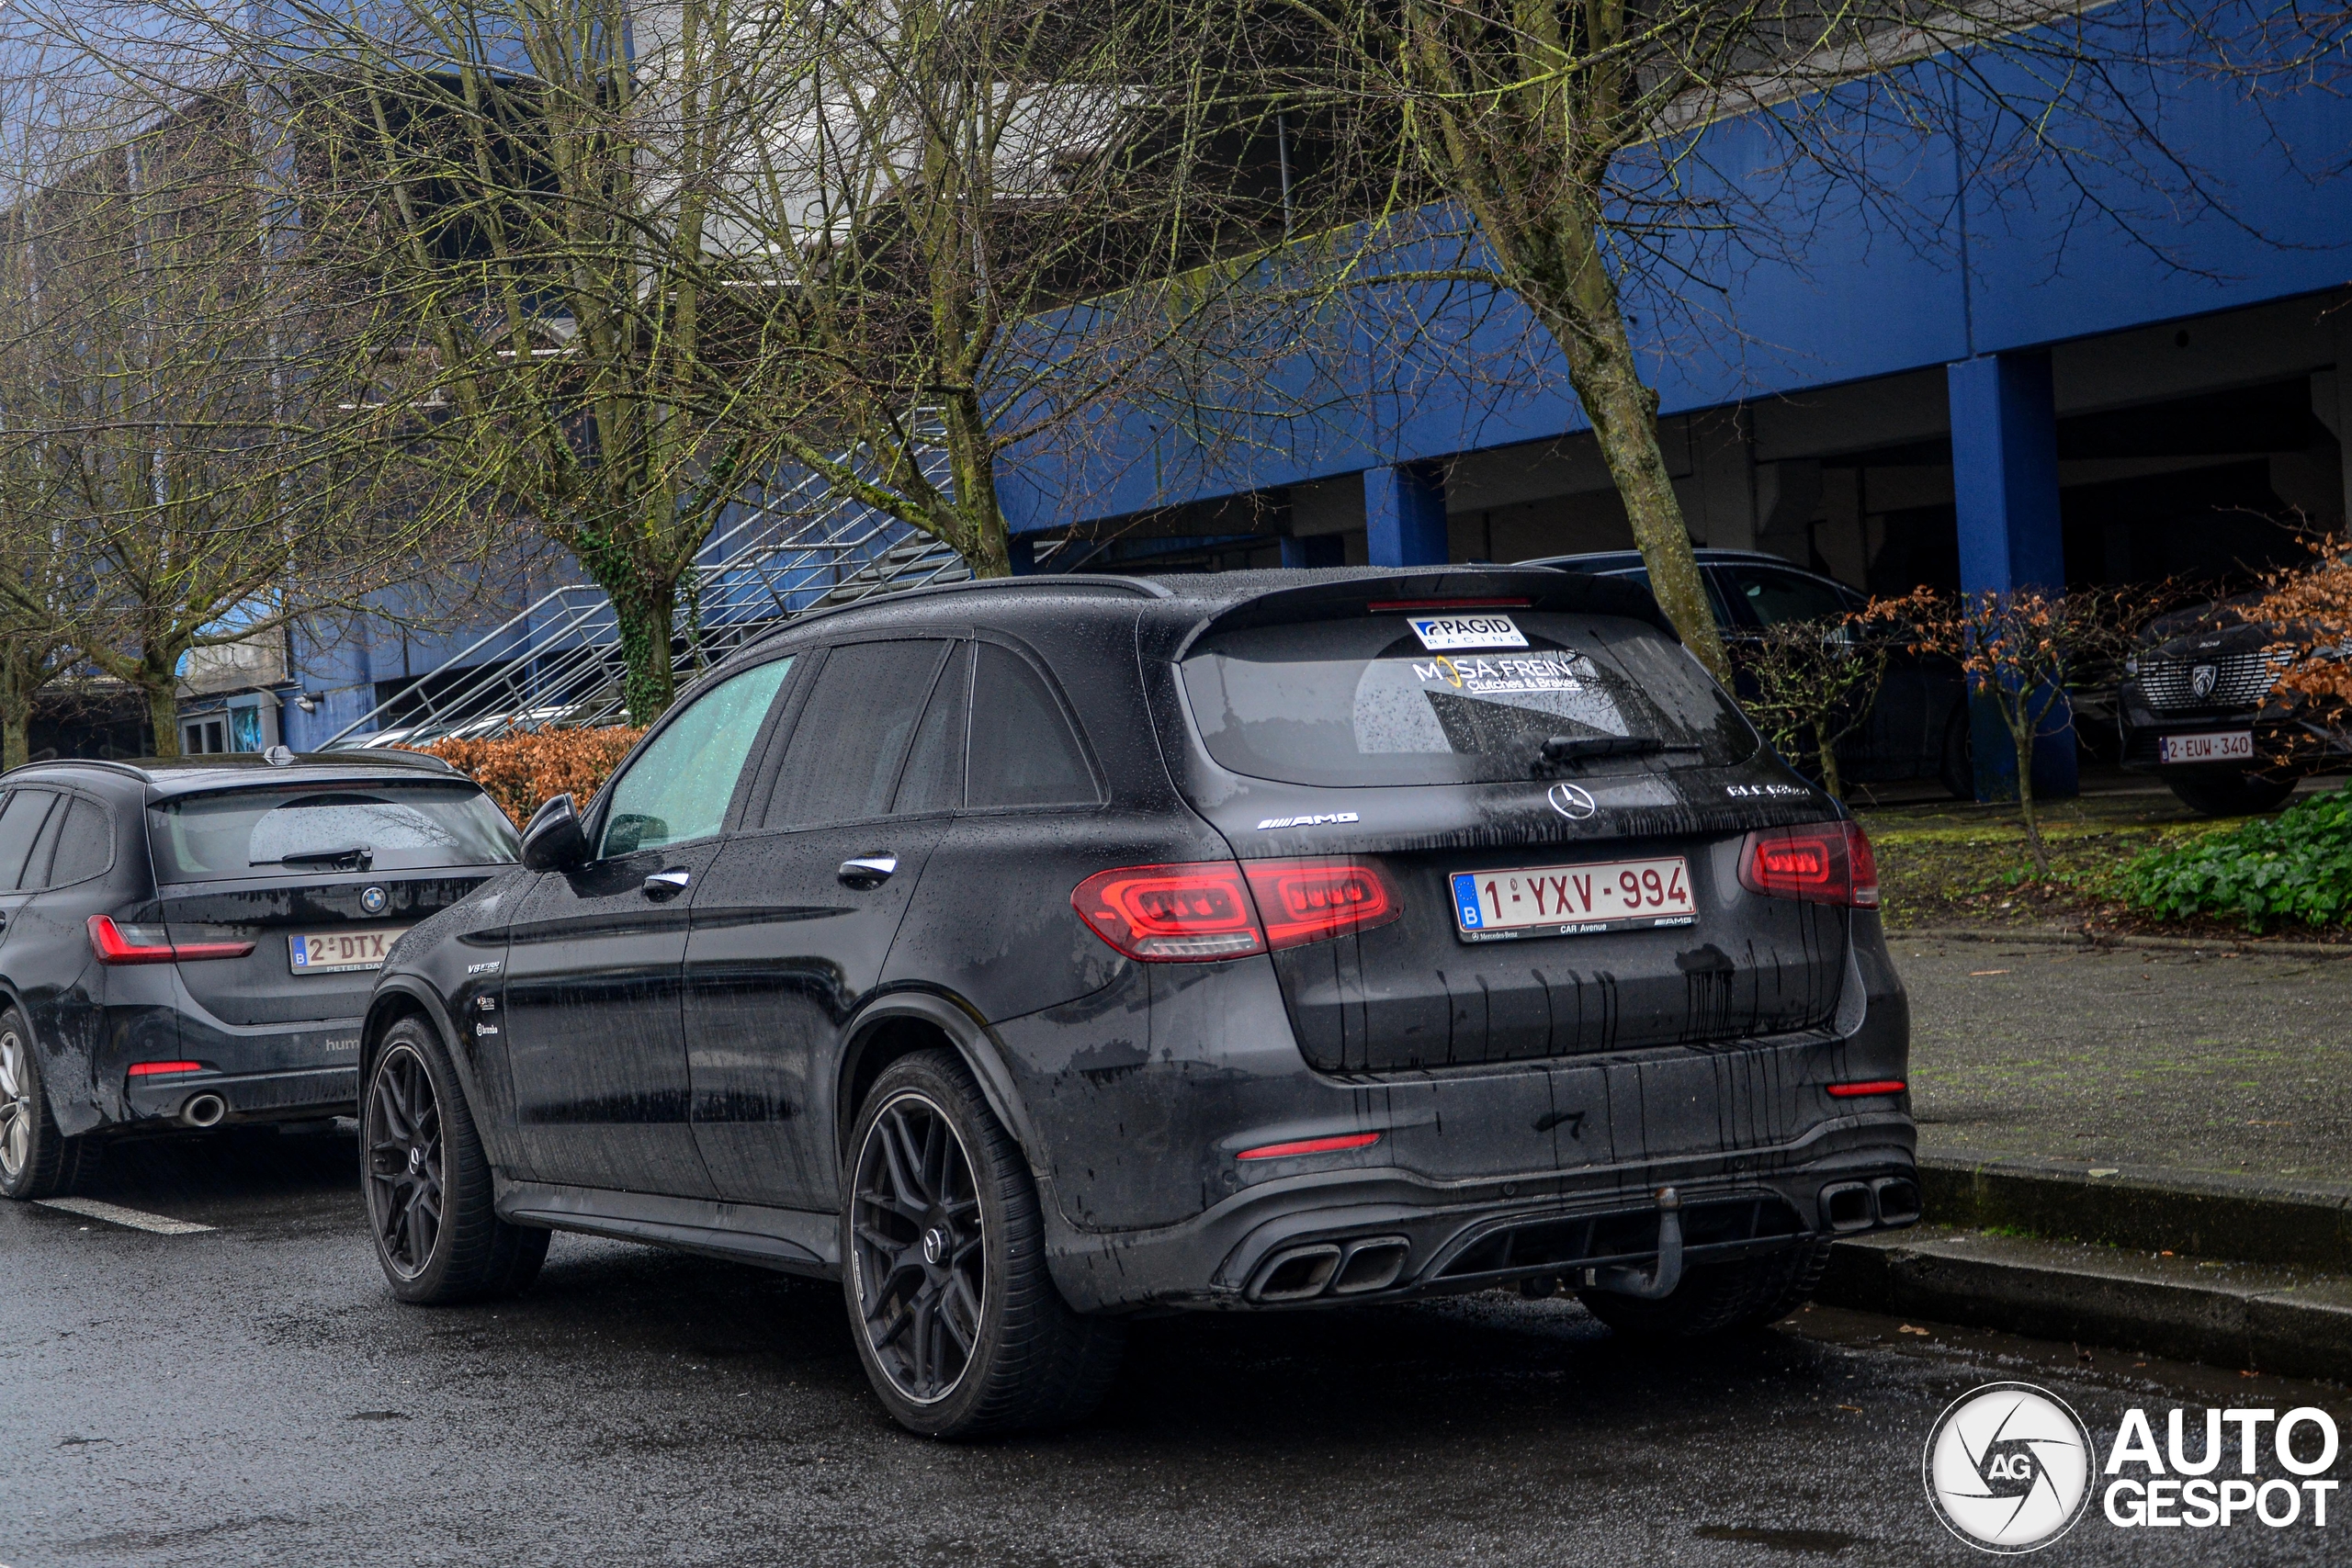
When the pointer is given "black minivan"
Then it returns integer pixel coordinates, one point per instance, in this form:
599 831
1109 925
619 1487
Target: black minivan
190 943
1033 954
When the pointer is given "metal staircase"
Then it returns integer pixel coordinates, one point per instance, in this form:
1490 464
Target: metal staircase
557 665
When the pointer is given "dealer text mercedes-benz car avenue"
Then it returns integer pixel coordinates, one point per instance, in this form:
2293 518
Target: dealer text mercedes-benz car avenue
190 943
1031 955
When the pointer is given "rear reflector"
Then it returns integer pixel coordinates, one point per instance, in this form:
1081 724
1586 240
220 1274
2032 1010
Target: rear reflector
150 1069
1822 862
1200 912
1870 1086
149 944
1311 1146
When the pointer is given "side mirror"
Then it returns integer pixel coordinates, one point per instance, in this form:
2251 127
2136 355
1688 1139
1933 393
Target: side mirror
553 841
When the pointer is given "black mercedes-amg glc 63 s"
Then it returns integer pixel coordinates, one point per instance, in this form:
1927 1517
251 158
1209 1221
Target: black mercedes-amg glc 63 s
1033 953
190 943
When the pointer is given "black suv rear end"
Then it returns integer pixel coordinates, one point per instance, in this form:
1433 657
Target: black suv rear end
191 943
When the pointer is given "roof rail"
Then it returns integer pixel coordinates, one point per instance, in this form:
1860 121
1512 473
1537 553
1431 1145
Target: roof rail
128 769
1141 587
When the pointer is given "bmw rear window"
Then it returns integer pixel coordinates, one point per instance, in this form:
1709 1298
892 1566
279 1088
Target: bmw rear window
346 828
1365 701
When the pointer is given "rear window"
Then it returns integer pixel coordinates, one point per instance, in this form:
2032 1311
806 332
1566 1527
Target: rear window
259 832
1362 702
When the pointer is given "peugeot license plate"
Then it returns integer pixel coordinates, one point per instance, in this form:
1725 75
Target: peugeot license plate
1573 901
340 952
2228 746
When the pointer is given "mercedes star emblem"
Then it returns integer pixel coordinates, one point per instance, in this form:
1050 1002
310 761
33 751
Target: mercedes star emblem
1570 801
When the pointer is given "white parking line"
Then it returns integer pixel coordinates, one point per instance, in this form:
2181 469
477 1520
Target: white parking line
115 1215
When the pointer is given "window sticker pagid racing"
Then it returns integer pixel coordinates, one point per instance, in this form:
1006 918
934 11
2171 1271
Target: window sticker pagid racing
1447 634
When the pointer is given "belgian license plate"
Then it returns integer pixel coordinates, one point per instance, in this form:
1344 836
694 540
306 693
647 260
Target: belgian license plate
1573 901
340 952
2228 746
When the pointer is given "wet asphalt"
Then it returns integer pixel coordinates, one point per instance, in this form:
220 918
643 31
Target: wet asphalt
253 1395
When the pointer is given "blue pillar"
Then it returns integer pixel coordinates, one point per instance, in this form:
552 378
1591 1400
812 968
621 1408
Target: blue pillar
1315 549
2005 486
1403 514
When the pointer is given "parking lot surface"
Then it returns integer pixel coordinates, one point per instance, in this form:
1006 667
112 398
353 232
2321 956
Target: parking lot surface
251 1395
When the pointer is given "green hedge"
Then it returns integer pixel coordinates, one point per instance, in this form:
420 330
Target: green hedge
2296 866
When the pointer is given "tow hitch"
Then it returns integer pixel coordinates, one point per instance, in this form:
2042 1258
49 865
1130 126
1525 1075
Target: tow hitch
1659 1284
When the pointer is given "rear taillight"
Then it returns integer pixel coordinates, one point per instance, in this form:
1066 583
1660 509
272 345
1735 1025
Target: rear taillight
1205 910
150 944
155 1069
1183 914
1823 862
1310 900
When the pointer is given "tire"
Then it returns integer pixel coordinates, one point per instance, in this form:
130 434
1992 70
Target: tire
2228 795
1957 769
955 1318
36 1160
429 1195
1719 1298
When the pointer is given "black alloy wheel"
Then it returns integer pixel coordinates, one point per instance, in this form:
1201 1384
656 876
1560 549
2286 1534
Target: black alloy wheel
404 1162
431 1197
920 1254
952 1307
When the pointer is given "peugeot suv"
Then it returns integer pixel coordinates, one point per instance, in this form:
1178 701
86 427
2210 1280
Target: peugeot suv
1031 955
191 943
2197 706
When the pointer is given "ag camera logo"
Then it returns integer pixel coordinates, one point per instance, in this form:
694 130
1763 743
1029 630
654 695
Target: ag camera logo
2008 1468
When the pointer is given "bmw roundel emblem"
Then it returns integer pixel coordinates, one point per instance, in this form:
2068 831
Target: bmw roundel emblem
1570 801
373 900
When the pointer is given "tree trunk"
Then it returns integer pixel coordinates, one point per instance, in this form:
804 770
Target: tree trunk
649 681
1827 747
2023 737
14 748
163 712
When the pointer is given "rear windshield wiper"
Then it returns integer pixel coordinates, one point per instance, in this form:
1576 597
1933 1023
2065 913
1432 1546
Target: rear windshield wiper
356 859
1562 751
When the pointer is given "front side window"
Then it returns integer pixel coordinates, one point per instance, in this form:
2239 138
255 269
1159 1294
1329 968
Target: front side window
1772 597
386 827
678 787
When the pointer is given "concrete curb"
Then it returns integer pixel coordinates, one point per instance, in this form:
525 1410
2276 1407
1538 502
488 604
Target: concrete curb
2047 938
2144 1208
2221 1314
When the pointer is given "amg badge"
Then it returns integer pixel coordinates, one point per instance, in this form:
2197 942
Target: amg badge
1316 820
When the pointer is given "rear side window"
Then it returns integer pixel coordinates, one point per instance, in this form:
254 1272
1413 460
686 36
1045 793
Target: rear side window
1361 702
21 816
1772 597
85 843
934 780
257 832
1023 750
842 764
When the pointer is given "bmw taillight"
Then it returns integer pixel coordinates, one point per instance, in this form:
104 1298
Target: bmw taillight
150 944
1822 862
1205 910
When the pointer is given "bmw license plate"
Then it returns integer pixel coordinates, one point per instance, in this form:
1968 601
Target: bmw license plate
340 952
1573 901
2229 746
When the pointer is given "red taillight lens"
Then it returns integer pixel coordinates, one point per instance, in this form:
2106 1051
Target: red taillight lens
150 1069
148 945
1182 914
1868 1086
1310 900
1823 862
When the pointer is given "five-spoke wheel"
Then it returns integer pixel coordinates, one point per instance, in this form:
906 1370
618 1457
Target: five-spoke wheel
36 1160
16 1107
403 1142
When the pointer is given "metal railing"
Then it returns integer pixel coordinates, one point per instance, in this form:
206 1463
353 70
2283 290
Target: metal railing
557 665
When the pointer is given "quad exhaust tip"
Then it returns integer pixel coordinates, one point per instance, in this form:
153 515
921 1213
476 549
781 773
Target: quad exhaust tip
1848 1206
1337 1269
203 1111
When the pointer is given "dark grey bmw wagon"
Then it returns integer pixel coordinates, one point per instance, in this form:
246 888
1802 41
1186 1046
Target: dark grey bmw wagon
1031 955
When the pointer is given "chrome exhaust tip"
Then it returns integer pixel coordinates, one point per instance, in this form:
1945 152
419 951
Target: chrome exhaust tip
203 1111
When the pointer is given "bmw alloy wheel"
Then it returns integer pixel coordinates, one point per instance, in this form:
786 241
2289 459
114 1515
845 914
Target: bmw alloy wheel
17 1108
917 1246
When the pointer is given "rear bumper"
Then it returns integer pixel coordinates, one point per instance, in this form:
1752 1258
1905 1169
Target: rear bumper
1843 1178
299 1094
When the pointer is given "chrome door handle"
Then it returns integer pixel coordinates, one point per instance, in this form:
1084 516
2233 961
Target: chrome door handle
667 884
867 871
